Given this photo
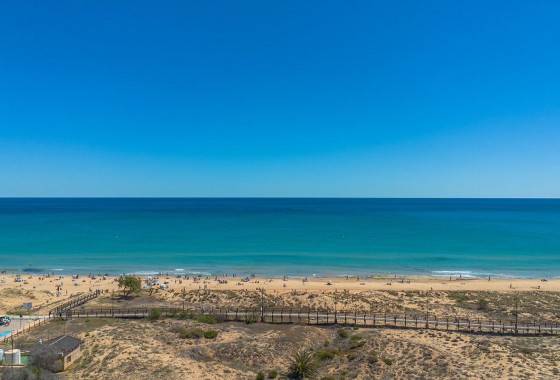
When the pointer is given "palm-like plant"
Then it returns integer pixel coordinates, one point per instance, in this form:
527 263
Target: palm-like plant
303 365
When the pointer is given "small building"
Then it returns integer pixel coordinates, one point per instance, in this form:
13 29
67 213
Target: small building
69 349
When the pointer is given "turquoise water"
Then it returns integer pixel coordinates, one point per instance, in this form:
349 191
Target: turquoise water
300 237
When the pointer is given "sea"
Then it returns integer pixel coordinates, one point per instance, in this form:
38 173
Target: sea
275 237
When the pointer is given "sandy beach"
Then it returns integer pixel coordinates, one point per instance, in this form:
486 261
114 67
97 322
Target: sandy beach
46 291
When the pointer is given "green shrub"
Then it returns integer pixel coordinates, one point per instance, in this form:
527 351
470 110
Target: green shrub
250 320
184 315
206 318
387 361
357 344
154 314
272 374
351 356
210 334
325 354
482 304
260 376
458 296
355 338
372 359
302 365
172 313
342 333
192 333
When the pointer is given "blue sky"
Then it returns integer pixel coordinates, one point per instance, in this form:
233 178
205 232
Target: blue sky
280 98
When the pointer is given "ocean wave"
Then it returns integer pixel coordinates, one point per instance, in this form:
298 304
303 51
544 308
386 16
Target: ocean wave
469 274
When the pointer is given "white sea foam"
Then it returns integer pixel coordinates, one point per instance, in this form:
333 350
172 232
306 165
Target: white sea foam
469 274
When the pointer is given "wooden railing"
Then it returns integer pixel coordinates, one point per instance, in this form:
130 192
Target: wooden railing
326 317
75 302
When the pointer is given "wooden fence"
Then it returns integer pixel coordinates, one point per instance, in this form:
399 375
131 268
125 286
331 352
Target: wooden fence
325 317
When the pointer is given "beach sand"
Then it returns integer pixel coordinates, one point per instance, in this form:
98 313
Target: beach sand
46 292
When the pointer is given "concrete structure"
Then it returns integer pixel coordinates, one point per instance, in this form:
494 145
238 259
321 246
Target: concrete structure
12 357
69 349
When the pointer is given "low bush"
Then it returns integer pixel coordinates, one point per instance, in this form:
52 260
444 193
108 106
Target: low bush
206 318
154 314
325 354
210 334
342 333
387 361
272 374
192 333
184 315
482 304
250 320
260 376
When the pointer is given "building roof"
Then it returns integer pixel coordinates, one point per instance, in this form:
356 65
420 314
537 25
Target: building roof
65 343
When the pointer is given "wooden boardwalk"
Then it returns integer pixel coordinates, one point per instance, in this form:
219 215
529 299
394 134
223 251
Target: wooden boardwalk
318 317
73 303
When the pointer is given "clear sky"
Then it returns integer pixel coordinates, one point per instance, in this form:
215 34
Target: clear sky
280 98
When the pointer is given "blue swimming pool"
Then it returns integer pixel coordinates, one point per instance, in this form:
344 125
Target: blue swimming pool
4 333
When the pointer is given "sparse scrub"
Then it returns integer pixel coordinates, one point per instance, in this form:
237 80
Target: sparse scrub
482 304
206 318
260 376
458 297
182 315
250 320
210 334
325 354
272 374
387 361
154 314
192 333
342 333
